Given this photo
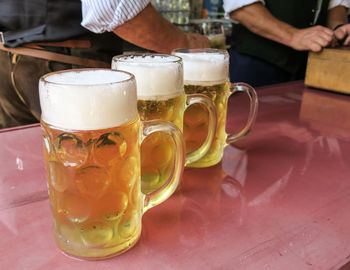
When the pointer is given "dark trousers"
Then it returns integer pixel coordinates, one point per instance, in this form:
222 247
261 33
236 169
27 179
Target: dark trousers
19 95
251 70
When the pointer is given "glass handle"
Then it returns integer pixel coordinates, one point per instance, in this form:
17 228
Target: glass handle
250 91
164 192
209 104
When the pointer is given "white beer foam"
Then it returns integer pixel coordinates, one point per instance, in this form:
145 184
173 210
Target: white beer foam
88 99
204 68
158 77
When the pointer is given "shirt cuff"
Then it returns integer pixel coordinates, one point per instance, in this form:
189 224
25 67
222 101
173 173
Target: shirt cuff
231 5
105 16
334 3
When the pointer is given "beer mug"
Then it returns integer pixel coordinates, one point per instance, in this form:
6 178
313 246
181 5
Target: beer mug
160 95
206 72
92 135
213 29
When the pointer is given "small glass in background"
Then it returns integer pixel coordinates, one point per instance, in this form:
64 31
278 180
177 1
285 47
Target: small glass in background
175 11
213 29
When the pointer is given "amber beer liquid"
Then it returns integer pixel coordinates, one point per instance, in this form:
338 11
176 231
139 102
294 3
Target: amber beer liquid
157 154
94 187
92 162
217 41
91 133
161 95
196 121
206 72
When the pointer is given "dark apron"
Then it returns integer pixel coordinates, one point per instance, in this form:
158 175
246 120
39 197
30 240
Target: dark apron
44 21
298 13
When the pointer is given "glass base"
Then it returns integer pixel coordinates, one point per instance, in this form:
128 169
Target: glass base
97 254
204 162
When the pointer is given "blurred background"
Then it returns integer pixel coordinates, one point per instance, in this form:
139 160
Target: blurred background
200 16
197 16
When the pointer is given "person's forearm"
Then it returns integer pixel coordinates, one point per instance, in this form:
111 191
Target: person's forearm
338 20
337 16
151 31
261 22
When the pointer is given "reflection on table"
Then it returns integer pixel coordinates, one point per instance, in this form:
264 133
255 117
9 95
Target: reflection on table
280 198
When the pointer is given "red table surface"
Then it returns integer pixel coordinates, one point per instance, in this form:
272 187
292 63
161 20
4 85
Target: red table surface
280 198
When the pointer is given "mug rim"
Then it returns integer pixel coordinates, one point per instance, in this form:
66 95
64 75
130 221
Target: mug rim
199 50
125 58
44 78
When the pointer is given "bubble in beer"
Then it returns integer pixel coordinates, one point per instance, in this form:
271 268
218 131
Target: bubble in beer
74 207
112 205
210 93
92 181
110 148
96 233
156 109
58 176
70 150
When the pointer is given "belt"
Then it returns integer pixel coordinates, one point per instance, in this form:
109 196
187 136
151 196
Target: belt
35 50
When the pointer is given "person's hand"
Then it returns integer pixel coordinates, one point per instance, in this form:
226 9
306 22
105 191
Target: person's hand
195 40
342 34
312 39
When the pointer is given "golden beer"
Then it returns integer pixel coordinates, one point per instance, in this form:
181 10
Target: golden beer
213 29
94 188
157 151
161 95
170 109
92 135
217 41
206 72
196 122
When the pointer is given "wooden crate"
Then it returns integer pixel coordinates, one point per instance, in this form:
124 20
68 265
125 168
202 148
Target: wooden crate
329 69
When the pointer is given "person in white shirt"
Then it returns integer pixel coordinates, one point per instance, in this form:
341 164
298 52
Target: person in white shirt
139 23
271 38
38 37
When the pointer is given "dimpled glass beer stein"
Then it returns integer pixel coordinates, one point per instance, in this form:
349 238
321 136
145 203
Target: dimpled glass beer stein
91 136
206 72
160 95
